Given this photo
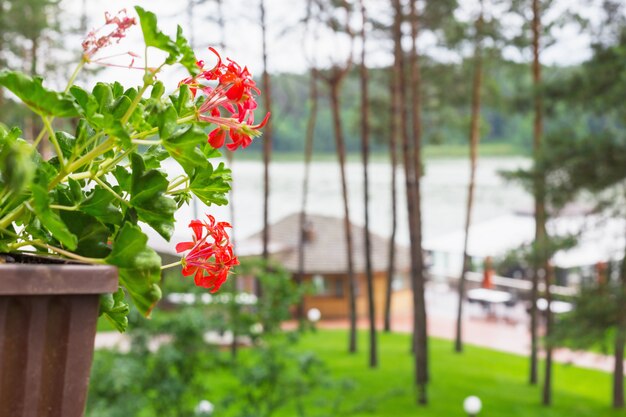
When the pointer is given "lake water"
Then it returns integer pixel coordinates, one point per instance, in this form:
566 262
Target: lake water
444 193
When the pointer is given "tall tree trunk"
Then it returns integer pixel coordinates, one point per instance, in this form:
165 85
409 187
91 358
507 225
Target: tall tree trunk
267 141
547 381
308 153
373 357
420 327
410 179
334 84
474 139
620 341
540 215
393 154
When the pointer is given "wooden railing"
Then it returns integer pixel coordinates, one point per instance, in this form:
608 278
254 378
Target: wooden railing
512 284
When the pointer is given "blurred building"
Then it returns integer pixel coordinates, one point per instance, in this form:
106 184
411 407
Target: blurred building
326 264
598 242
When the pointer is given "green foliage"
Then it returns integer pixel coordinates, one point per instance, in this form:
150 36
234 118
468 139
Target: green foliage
115 308
147 190
16 165
86 202
145 381
155 38
594 319
139 266
38 98
49 219
268 373
274 376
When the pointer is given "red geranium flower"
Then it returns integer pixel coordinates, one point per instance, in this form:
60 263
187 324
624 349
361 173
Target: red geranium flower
233 95
210 254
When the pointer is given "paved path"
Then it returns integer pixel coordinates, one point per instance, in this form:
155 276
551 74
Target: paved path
507 331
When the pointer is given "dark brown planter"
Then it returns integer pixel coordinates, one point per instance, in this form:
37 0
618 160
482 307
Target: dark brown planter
48 316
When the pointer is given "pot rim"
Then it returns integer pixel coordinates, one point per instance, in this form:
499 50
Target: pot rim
48 279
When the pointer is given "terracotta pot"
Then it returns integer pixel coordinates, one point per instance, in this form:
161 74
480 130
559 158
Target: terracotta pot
48 315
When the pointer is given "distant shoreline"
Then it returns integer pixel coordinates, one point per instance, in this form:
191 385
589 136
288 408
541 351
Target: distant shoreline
489 150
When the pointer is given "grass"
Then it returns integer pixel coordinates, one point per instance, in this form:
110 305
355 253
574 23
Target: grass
499 379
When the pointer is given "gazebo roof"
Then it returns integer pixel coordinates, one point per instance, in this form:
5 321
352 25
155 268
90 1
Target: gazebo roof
325 247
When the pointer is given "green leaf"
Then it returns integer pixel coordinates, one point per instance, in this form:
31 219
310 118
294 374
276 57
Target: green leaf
76 191
157 90
182 101
154 37
154 156
123 178
211 186
49 219
167 121
67 143
81 96
139 267
210 152
17 167
183 147
7 239
120 106
117 89
83 132
100 205
38 98
115 308
188 59
104 97
113 127
148 197
92 234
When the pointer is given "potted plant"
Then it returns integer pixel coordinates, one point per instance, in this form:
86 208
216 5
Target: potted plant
70 225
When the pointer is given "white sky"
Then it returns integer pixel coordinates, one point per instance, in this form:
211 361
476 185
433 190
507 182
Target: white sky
286 51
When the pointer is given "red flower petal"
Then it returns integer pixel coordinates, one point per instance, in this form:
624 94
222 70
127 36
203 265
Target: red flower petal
184 246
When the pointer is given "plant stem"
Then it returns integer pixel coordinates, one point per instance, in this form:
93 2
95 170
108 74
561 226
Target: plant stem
42 133
180 191
66 208
104 167
39 243
70 82
91 155
173 264
89 142
12 215
134 103
183 178
53 140
109 189
69 254
146 142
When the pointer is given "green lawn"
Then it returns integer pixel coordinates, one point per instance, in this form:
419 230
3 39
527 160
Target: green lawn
499 379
